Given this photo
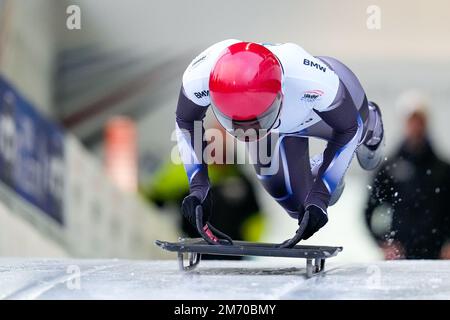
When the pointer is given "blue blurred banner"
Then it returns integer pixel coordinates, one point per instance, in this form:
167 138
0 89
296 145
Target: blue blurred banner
31 153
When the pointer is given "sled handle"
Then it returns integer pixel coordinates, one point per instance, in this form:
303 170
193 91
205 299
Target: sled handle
220 233
202 230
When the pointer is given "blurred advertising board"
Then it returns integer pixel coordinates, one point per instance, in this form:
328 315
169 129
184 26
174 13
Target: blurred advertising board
31 153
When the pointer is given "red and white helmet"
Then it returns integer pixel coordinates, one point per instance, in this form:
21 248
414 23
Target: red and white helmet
245 90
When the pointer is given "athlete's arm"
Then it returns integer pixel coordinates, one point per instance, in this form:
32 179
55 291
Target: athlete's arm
190 132
344 118
193 102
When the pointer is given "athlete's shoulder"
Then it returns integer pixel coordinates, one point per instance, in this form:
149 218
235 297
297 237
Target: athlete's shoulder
196 75
299 63
285 48
306 75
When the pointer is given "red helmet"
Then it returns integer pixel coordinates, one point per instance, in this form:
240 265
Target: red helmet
245 90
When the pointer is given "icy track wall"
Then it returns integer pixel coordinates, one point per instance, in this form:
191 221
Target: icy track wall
55 199
49 181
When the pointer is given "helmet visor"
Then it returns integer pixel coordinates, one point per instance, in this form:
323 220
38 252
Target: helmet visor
253 129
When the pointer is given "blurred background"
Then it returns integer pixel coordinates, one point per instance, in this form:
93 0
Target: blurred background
87 114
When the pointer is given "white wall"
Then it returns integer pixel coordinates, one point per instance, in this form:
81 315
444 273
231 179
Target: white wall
409 28
101 220
20 238
28 49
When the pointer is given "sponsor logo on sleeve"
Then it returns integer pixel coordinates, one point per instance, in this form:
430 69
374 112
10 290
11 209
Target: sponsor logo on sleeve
313 64
201 94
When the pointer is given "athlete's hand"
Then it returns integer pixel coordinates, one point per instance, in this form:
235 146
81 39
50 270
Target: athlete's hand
317 219
310 220
189 205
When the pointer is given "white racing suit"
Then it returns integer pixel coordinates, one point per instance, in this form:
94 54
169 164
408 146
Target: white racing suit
322 98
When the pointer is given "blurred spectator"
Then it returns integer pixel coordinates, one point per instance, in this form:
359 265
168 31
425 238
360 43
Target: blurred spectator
408 210
236 211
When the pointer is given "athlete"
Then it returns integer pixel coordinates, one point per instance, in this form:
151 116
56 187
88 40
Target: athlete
260 92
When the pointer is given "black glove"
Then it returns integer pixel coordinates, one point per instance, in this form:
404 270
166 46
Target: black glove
189 205
317 219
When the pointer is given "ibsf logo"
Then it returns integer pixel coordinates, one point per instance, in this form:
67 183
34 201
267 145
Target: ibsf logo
312 95
201 94
310 63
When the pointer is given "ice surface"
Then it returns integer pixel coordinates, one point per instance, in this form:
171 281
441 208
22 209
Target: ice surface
261 279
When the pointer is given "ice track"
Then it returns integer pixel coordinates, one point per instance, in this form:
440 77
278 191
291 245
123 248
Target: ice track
262 279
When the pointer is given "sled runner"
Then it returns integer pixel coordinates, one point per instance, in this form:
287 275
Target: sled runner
193 248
